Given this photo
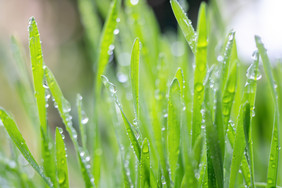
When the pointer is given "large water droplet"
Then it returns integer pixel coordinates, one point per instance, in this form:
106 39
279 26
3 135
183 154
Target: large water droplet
116 31
253 72
199 87
122 78
84 118
134 2
61 177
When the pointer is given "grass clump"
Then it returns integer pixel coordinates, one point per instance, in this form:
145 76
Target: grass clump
164 120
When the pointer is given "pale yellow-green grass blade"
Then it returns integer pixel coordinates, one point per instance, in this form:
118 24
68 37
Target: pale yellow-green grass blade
61 160
144 165
272 171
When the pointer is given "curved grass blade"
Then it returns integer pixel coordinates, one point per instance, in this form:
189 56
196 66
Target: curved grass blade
64 108
173 126
132 138
61 160
144 166
185 25
274 151
82 120
240 142
19 141
134 75
200 73
106 43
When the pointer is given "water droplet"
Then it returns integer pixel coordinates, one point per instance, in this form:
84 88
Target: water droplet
1 123
134 2
231 36
84 118
219 58
255 55
118 20
61 177
199 87
116 31
122 78
60 130
82 154
269 180
145 149
163 129
184 108
66 106
253 72
165 115
87 158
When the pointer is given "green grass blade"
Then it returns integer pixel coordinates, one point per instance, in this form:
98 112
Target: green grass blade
200 73
19 141
61 160
106 43
132 138
185 25
274 151
240 142
134 75
82 120
37 71
144 165
64 108
173 126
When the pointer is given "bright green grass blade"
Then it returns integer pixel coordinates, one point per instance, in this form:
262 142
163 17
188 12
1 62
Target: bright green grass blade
144 166
106 43
274 152
37 71
240 142
134 75
173 126
64 108
61 160
17 138
91 23
38 82
214 156
179 76
185 25
82 120
132 138
200 73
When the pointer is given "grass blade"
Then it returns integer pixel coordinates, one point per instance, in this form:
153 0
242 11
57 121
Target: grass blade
64 108
173 126
185 25
19 141
144 165
132 138
274 151
200 73
82 120
61 160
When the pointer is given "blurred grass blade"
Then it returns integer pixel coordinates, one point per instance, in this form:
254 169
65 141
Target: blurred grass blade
274 151
214 156
185 25
82 120
134 75
200 73
173 126
106 43
64 108
240 142
17 138
61 160
132 138
144 166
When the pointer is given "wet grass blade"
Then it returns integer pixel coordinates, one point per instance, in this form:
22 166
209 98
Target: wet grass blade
144 166
106 43
173 126
64 108
274 151
240 142
134 75
129 128
61 160
200 73
185 25
19 141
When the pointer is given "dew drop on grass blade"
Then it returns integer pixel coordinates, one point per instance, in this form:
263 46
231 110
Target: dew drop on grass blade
82 120
61 160
132 138
19 141
144 166
214 156
173 126
185 25
134 75
199 73
38 82
240 142
64 108
274 151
